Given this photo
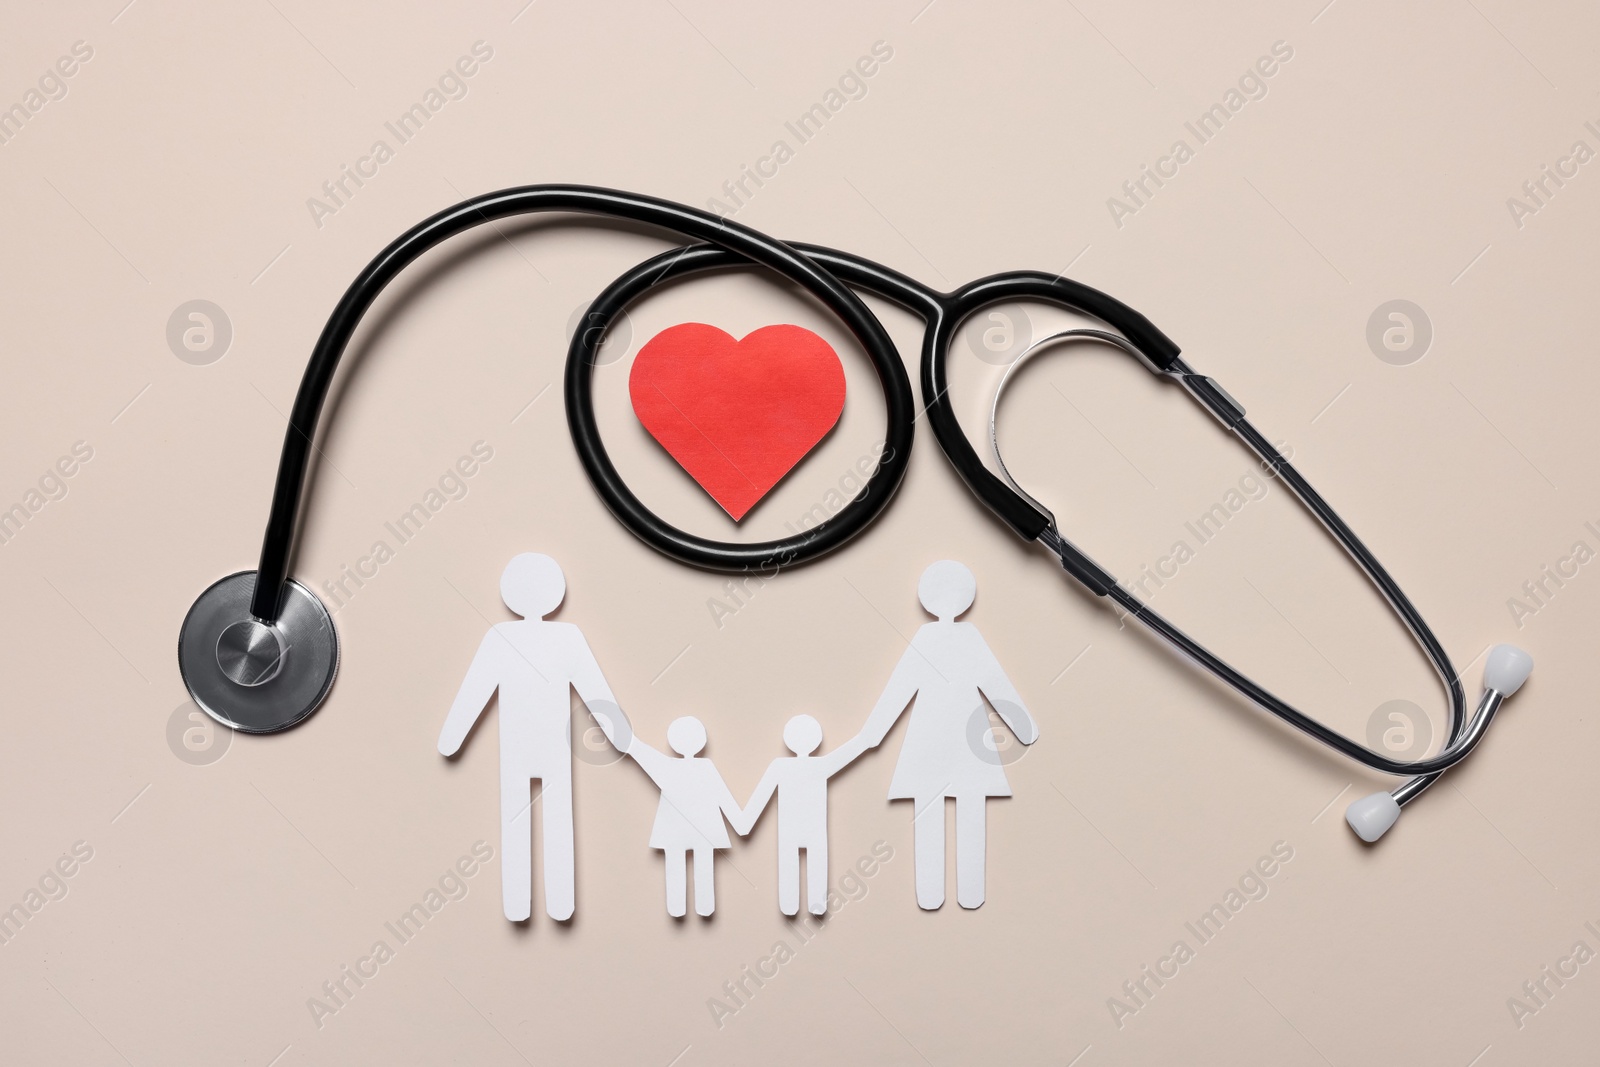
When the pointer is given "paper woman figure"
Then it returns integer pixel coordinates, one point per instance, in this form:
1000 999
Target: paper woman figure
801 782
694 800
946 668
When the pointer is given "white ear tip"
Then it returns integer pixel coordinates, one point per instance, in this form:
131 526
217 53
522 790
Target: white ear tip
1506 669
1370 817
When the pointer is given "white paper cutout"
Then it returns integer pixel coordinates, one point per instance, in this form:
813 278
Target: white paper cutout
947 671
689 817
532 663
944 754
801 784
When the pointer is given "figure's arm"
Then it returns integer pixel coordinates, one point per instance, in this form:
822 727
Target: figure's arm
1004 696
843 756
651 761
757 804
730 807
897 694
482 679
597 696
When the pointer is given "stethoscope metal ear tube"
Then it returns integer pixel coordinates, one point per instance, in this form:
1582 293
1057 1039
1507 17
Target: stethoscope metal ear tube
1462 735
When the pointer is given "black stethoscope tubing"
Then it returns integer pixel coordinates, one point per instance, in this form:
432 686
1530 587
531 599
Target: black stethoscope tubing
828 275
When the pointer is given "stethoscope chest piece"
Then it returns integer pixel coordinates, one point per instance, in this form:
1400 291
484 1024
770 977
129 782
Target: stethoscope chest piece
256 676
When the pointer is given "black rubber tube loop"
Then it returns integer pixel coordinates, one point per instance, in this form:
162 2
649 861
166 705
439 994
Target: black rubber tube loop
763 557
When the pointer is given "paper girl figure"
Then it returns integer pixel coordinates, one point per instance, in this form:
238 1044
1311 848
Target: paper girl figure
945 668
801 782
694 800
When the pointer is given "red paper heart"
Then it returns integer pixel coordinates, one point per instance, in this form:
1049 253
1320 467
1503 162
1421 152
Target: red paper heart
737 415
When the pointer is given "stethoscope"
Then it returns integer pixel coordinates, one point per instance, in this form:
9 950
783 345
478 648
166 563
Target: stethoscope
258 650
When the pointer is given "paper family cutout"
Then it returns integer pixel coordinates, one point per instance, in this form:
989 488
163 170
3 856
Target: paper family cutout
533 661
737 415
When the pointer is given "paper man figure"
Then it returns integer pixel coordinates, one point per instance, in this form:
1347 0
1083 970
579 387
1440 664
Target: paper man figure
533 662
694 800
946 667
801 782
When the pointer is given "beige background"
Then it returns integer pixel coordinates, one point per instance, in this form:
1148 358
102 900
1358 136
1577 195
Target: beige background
221 897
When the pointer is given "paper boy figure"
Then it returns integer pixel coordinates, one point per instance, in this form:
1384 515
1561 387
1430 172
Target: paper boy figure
533 663
801 782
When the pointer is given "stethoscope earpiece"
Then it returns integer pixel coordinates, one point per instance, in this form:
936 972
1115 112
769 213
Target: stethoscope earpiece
1506 668
256 676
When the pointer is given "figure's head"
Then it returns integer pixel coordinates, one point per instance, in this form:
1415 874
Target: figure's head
532 585
686 736
802 734
947 589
